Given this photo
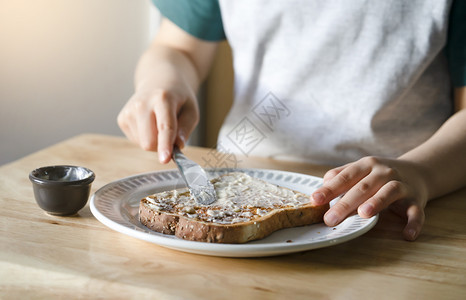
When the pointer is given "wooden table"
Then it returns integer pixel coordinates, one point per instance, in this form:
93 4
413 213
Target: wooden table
42 256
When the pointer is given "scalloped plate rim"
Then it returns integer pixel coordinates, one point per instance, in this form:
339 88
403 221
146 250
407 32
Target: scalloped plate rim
257 248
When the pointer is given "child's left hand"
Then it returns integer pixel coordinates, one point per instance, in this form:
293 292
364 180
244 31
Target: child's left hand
372 184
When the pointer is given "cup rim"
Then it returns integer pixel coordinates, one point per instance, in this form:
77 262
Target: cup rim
33 176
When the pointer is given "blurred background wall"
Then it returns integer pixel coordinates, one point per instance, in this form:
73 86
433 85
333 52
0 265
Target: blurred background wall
66 67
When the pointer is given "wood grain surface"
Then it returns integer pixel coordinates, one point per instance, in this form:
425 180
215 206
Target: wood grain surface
44 257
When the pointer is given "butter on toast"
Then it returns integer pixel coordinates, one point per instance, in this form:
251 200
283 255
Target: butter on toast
246 209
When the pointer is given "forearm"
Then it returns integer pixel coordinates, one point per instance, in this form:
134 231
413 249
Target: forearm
173 57
442 158
163 110
161 65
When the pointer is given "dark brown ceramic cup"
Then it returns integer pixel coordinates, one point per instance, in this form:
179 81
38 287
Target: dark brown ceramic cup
61 190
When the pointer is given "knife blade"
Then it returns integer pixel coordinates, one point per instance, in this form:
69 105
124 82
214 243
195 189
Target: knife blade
195 178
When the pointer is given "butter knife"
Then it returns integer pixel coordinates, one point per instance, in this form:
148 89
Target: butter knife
195 178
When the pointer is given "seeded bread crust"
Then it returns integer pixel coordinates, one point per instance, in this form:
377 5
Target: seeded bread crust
194 230
178 224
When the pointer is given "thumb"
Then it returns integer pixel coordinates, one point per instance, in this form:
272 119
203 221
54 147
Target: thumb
416 219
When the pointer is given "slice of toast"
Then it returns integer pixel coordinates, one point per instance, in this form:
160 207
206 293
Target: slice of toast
246 209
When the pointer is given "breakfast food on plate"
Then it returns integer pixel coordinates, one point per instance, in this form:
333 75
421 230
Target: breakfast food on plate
246 209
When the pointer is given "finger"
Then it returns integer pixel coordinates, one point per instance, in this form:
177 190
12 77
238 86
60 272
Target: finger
340 184
318 198
334 172
416 218
357 195
166 120
187 121
147 129
392 191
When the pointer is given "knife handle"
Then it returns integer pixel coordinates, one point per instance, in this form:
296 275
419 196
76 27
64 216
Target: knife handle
177 155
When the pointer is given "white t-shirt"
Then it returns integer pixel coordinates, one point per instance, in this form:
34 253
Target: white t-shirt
329 82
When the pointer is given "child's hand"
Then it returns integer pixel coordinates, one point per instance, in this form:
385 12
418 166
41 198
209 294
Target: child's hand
164 111
158 118
371 184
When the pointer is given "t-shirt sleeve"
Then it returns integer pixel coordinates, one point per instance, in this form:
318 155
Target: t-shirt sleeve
200 18
456 45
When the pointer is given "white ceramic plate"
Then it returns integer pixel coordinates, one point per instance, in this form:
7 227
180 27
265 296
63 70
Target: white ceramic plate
116 205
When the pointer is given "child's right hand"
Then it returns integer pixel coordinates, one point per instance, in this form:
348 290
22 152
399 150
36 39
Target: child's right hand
156 119
164 110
